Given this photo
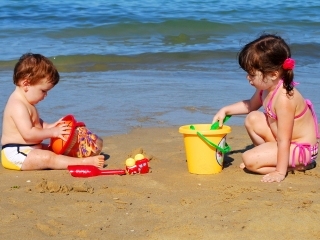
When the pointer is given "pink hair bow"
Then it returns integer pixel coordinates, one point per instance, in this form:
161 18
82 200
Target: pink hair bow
288 64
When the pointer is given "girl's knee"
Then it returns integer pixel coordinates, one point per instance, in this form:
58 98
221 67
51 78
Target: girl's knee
252 118
248 160
245 158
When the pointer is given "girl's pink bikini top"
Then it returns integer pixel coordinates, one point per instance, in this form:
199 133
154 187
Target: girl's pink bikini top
268 109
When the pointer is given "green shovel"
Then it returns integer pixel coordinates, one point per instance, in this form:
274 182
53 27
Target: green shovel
216 124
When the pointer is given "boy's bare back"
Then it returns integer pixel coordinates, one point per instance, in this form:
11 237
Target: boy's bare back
18 113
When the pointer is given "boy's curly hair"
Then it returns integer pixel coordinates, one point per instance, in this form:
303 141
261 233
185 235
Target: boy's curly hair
35 67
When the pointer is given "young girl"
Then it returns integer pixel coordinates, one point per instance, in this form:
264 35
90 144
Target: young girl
286 134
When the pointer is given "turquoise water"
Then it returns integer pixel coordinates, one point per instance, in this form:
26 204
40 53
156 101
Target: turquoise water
127 64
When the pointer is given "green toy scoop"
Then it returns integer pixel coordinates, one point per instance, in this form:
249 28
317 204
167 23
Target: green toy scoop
215 125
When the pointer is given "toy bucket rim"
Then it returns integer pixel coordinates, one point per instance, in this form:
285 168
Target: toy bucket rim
185 129
71 118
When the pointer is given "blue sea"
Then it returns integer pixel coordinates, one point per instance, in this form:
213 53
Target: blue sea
129 64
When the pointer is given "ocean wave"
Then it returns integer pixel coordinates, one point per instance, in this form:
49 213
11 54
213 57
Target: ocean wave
307 53
159 61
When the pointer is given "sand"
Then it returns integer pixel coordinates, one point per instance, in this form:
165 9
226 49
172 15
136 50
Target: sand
167 203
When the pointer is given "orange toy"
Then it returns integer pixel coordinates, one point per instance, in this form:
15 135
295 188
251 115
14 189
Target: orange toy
81 142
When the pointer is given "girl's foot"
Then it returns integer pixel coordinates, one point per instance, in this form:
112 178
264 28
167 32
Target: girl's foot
302 167
242 166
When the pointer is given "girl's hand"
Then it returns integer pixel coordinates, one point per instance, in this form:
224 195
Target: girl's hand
273 177
220 115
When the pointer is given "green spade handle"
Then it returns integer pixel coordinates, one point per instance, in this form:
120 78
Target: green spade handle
223 150
216 124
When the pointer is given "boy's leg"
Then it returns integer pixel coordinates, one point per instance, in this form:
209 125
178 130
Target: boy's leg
38 159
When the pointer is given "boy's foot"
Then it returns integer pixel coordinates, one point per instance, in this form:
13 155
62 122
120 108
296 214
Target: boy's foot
97 161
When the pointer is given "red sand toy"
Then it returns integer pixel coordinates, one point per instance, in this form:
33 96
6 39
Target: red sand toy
139 164
92 171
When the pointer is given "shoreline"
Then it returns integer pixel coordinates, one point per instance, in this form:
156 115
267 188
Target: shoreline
167 203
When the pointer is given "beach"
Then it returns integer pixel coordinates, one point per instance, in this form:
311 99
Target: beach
134 72
166 203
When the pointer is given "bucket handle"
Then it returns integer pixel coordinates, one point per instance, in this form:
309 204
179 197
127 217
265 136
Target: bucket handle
223 150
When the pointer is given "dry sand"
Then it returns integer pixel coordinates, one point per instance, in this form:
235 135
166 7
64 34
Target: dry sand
167 203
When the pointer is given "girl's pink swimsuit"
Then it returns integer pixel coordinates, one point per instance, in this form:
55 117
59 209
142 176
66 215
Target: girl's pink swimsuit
300 147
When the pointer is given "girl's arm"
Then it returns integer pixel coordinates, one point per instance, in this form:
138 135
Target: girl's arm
242 107
285 111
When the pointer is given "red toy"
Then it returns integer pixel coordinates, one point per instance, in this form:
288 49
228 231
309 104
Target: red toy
141 166
81 142
91 171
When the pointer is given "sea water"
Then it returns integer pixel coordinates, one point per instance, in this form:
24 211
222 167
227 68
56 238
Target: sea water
126 64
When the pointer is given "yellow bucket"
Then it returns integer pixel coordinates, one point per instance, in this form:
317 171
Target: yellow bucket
205 148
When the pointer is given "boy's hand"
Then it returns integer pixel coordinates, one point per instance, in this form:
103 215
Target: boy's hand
60 130
51 125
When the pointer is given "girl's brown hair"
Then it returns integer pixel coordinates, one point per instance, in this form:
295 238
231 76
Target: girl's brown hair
35 67
267 54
